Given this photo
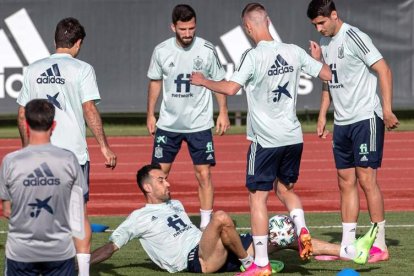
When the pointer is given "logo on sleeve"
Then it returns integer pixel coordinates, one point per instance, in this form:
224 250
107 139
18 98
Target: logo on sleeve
280 67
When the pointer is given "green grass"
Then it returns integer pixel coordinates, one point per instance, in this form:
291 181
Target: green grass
140 130
132 260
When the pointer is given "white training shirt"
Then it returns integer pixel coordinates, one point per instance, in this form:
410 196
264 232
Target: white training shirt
185 108
165 231
270 75
350 54
67 82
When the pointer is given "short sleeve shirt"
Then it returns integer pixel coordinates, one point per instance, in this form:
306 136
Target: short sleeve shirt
350 54
68 83
270 75
185 108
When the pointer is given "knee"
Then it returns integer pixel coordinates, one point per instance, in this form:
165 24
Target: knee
203 176
222 218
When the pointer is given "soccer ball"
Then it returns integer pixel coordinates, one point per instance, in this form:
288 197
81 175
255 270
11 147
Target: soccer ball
281 231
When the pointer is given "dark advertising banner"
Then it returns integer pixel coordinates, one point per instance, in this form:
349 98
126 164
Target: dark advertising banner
121 35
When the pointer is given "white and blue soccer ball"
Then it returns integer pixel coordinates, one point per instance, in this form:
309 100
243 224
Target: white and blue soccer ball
281 231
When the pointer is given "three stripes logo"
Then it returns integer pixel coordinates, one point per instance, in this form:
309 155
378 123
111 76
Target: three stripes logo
358 41
52 75
280 67
20 45
41 176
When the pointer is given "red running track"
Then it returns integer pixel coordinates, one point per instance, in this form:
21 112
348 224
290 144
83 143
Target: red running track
114 192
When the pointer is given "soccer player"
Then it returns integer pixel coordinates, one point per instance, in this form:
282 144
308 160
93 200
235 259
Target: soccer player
270 73
359 118
37 182
186 112
70 84
168 236
175 244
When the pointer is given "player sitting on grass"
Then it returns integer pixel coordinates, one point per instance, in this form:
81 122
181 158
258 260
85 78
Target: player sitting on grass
175 244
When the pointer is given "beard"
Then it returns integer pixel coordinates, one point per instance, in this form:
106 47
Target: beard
184 41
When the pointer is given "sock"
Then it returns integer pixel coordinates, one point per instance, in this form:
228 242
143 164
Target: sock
83 263
380 240
247 262
348 251
205 216
298 217
260 250
348 233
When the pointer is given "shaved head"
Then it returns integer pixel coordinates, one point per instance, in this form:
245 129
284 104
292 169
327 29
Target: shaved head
255 13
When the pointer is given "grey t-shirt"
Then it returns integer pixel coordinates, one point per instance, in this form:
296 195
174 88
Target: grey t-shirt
38 181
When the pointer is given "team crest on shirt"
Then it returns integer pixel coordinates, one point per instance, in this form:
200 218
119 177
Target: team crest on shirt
158 152
341 52
197 63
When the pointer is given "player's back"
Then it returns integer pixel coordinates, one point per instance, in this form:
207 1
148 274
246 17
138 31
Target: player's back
67 83
39 181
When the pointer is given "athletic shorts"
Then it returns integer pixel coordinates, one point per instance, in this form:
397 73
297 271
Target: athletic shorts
265 165
55 268
85 170
359 144
232 262
167 144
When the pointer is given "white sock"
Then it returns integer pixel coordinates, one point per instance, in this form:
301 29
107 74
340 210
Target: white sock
348 233
298 217
205 216
247 262
348 251
380 239
83 263
260 250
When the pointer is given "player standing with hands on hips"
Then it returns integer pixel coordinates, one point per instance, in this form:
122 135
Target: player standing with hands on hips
270 74
186 111
359 119
70 85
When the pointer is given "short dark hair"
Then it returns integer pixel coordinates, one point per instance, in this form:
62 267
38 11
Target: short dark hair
252 7
39 114
184 13
320 8
143 175
68 31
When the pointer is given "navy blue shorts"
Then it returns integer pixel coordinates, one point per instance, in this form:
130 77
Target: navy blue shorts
360 144
265 165
232 262
85 170
56 268
167 144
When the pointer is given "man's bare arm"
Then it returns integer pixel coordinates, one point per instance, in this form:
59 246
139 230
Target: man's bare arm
103 253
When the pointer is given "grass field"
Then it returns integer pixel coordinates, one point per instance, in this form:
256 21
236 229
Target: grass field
132 260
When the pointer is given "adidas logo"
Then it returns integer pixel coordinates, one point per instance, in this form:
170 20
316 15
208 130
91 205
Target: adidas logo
52 75
280 67
154 218
41 176
259 243
364 158
25 48
171 65
209 157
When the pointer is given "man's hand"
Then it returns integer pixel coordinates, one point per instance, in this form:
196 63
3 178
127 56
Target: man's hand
390 120
320 128
110 157
222 124
315 50
197 78
151 120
